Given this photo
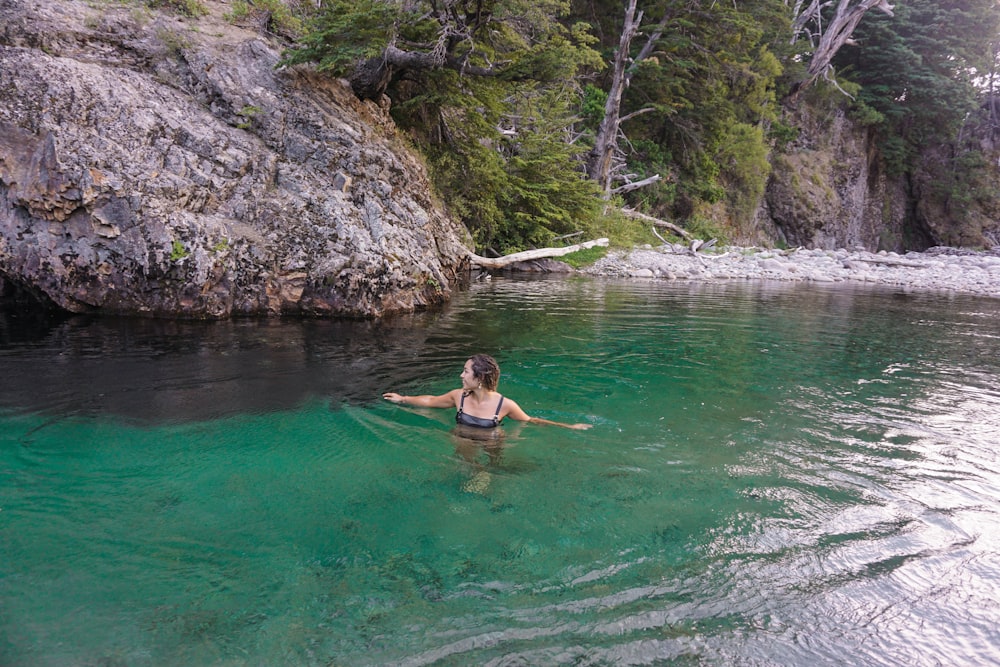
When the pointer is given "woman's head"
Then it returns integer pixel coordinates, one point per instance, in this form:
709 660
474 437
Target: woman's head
484 371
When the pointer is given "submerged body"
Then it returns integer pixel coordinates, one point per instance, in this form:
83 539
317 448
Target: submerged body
465 419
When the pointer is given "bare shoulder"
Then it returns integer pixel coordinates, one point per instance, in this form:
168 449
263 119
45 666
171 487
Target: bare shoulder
513 410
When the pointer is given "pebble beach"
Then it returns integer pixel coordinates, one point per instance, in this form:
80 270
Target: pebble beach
936 269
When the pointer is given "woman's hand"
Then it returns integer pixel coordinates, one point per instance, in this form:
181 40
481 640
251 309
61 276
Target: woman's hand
581 427
392 397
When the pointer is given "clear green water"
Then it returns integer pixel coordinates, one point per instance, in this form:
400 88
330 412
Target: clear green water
776 476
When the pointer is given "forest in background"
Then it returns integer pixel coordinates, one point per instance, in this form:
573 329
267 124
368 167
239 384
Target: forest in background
546 118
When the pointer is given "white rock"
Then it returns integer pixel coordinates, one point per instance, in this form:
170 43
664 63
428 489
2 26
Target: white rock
960 271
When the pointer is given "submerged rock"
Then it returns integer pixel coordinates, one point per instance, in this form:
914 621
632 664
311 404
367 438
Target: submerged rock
155 165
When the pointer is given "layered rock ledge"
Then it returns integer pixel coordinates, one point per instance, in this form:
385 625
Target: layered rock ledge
157 165
937 269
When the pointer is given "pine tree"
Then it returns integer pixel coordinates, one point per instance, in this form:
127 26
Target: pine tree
486 88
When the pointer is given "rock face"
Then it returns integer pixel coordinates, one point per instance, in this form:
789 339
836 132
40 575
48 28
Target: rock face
151 164
825 193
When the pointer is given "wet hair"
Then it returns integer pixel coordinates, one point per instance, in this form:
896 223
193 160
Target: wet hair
486 370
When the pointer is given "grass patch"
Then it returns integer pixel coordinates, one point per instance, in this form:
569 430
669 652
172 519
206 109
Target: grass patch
705 228
582 258
247 115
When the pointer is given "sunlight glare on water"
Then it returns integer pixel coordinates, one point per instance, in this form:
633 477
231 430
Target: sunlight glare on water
777 475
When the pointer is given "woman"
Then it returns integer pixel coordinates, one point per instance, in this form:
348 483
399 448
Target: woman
478 402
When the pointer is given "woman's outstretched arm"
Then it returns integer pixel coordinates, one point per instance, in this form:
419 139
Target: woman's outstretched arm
514 411
425 400
548 422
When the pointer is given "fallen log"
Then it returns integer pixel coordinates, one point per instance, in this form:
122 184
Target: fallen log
890 262
527 255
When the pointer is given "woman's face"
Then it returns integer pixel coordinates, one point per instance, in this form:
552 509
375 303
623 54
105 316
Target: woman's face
469 380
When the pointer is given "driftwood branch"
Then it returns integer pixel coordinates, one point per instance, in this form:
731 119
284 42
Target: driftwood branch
632 213
527 255
893 262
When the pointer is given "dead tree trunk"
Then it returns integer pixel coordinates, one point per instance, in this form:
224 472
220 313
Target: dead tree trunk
601 162
606 142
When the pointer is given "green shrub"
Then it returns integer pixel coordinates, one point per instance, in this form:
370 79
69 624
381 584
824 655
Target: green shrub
177 251
703 228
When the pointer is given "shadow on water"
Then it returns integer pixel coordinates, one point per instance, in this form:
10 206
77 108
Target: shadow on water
153 371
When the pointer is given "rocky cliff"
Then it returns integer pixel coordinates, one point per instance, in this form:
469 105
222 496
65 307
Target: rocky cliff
827 190
152 164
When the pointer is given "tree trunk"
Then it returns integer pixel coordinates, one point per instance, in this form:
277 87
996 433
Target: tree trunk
370 78
606 142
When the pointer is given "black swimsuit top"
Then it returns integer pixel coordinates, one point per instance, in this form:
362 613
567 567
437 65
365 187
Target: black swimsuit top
479 422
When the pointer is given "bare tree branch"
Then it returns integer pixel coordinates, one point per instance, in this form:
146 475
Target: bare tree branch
636 215
829 38
639 112
628 187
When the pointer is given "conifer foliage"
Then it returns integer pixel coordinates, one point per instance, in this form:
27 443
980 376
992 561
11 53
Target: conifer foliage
488 90
509 99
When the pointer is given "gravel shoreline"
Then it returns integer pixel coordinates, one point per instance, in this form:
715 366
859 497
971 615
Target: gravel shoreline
936 269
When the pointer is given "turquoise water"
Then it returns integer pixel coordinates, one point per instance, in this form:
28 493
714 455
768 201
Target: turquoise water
777 475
